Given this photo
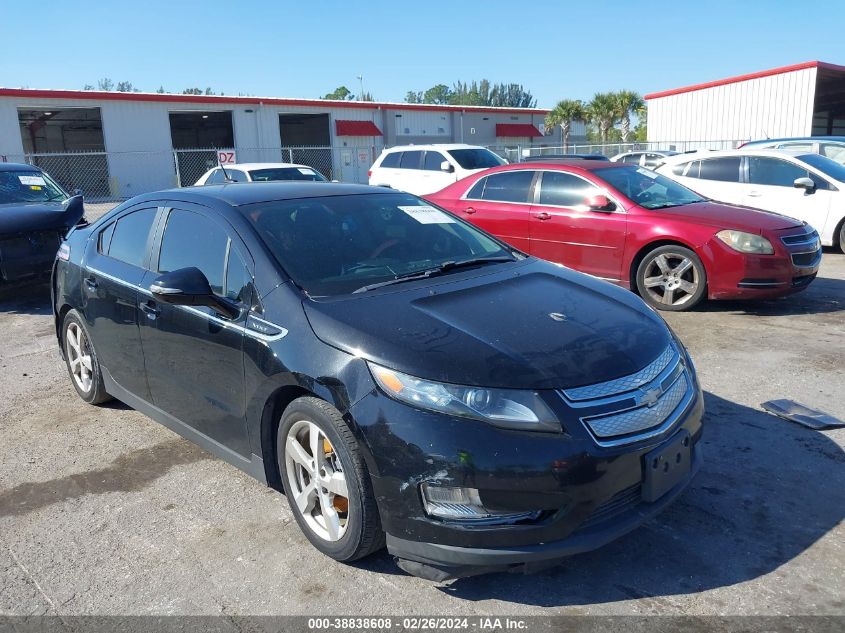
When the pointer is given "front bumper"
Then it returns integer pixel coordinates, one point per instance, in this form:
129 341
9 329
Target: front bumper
733 275
28 255
587 494
443 562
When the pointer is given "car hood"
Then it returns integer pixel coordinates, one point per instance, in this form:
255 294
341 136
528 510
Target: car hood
496 329
40 216
729 216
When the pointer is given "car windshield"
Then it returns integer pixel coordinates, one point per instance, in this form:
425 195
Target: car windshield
478 158
335 245
647 188
29 186
825 165
286 173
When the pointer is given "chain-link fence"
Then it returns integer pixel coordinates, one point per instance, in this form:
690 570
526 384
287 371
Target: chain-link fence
113 176
612 149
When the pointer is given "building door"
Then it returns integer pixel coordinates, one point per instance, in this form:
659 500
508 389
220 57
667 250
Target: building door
195 137
306 140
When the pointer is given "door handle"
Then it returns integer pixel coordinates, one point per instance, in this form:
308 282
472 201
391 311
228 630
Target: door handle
469 210
150 310
91 284
754 194
543 216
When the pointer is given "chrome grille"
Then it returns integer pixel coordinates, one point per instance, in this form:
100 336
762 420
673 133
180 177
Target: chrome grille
640 418
625 383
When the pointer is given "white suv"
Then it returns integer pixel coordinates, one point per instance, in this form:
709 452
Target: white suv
808 187
422 169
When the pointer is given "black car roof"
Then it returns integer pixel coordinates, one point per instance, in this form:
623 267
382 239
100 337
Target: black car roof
237 194
18 167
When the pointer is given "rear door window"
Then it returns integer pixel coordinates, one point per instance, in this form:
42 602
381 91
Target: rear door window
725 169
411 160
508 186
130 236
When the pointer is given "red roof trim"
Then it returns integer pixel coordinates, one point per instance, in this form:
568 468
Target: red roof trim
95 95
757 75
517 129
356 128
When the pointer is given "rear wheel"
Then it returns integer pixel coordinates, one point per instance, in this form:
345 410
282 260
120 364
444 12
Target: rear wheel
326 481
671 278
81 360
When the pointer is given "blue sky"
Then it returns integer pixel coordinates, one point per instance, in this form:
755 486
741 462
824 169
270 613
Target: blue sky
307 48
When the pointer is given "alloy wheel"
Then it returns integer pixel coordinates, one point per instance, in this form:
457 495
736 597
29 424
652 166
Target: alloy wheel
671 279
316 480
78 352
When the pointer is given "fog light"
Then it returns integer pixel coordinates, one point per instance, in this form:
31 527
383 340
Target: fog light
464 504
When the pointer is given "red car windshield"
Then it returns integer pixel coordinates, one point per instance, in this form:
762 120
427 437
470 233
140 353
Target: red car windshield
647 188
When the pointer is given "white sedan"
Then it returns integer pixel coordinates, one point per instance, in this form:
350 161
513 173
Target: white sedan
259 172
809 187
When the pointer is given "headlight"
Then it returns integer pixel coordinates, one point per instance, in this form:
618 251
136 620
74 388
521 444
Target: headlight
506 408
746 242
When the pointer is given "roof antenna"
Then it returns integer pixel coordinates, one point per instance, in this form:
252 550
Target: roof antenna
223 169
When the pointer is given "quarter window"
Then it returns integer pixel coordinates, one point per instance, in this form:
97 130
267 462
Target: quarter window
723 169
774 172
104 239
129 238
564 190
508 186
237 278
237 175
477 190
191 239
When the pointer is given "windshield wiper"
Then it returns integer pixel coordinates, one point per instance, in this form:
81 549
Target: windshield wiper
437 270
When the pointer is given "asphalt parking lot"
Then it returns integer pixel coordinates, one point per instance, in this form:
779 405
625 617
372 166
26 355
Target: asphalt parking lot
103 511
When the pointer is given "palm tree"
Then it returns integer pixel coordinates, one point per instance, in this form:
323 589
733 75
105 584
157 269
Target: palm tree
628 102
563 114
603 112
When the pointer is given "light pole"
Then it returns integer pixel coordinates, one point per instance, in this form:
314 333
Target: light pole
361 84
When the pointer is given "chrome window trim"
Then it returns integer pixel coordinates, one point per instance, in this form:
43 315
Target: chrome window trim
223 322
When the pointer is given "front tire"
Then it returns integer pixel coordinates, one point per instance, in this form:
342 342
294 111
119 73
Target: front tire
327 482
842 236
81 360
671 278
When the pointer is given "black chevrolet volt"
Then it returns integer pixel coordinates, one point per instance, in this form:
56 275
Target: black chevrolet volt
406 379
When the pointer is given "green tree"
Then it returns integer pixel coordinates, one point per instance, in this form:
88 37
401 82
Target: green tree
341 93
413 97
125 86
192 91
161 90
602 111
512 96
628 103
105 84
441 93
564 114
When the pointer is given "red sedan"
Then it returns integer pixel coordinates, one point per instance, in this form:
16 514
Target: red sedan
638 229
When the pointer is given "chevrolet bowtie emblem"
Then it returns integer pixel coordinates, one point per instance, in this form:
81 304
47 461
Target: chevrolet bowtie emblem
650 397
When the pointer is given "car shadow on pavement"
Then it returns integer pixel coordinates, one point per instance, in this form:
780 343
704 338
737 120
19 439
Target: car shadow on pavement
824 295
33 298
767 491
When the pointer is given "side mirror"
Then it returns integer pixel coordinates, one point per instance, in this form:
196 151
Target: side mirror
805 183
189 287
77 192
600 202
447 166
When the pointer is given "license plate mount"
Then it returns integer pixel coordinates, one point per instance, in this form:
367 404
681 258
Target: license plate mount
666 466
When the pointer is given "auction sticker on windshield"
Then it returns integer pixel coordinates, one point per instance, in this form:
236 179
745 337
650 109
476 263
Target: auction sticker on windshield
427 215
306 171
32 181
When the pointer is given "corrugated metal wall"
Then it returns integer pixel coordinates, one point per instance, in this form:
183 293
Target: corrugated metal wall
773 106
